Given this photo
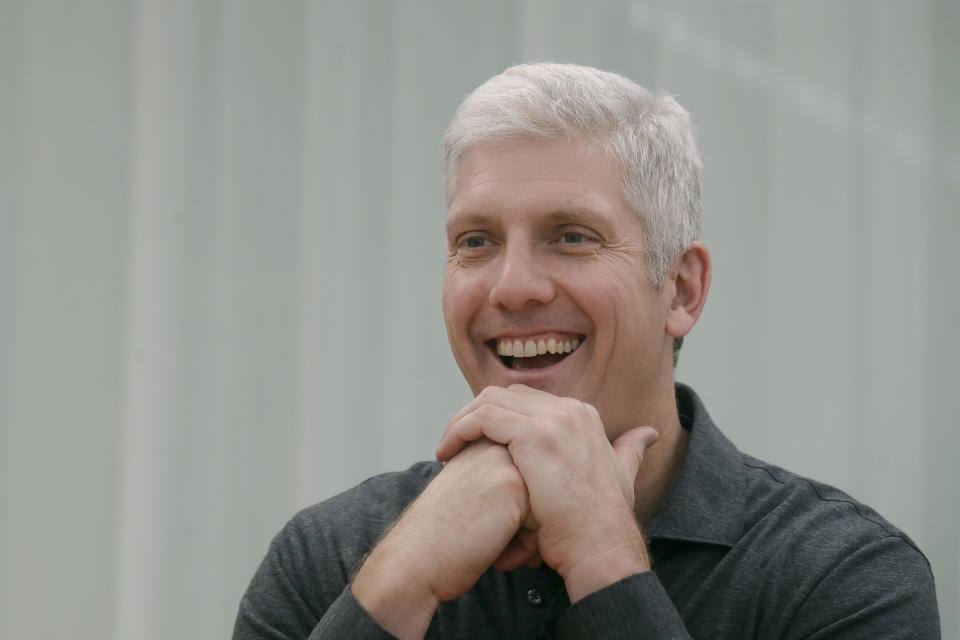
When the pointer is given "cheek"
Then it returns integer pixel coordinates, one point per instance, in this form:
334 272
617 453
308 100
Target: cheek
625 310
601 292
450 288
633 293
459 301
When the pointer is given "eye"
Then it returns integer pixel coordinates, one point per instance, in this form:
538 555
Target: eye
575 240
475 242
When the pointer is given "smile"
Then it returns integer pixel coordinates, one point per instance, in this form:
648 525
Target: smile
535 352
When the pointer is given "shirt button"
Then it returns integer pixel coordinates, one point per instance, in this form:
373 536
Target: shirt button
534 597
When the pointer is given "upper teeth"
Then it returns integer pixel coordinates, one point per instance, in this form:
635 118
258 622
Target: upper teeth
529 348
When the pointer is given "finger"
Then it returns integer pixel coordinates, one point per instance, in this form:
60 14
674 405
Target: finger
531 392
487 421
513 557
530 522
490 395
530 540
513 398
490 421
534 561
630 448
522 549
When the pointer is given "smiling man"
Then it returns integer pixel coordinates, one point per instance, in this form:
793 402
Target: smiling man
582 493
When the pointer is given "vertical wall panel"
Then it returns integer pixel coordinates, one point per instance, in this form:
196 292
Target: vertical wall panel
65 113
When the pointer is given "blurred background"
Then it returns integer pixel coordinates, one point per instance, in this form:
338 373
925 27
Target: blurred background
221 241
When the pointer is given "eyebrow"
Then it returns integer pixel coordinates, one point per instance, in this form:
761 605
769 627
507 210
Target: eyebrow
578 215
565 215
467 219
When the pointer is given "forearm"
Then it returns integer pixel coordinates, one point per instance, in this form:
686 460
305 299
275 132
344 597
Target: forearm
444 541
390 593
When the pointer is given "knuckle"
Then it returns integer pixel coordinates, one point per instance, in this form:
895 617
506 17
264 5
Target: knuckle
486 392
507 476
581 408
485 412
583 412
543 433
591 410
495 390
513 480
540 427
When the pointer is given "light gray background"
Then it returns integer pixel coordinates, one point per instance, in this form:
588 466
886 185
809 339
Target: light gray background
221 247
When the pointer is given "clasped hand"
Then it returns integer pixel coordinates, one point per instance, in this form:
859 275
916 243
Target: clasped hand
580 488
528 476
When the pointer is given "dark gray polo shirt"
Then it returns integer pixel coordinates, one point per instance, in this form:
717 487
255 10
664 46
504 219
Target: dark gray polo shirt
741 549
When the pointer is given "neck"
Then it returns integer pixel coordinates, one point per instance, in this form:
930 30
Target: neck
660 463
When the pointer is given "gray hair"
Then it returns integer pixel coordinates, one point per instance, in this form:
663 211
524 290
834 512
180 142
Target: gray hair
650 137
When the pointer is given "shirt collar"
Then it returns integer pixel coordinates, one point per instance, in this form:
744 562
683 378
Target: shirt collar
705 502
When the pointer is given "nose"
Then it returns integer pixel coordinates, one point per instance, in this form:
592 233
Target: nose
522 280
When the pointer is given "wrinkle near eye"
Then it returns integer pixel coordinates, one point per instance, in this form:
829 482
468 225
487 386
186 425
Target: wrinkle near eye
614 259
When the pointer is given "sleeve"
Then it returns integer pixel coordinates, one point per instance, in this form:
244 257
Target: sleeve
287 601
635 607
347 619
881 591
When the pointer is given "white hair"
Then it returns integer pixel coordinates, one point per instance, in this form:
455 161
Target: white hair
650 137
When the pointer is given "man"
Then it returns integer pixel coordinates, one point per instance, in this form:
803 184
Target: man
581 493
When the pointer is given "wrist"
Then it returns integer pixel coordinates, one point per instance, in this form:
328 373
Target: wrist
391 593
596 570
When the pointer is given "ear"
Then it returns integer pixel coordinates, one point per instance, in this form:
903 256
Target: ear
691 278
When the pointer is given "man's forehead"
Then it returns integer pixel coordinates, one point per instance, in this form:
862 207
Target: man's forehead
531 150
493 194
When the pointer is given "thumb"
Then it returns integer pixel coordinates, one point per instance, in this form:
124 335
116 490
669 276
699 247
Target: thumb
630 448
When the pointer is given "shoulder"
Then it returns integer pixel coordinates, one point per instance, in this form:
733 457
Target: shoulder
382 496
350 522
310 561
330 538
806 558
784 505
830 560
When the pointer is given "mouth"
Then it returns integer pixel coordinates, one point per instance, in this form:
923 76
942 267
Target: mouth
535 352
